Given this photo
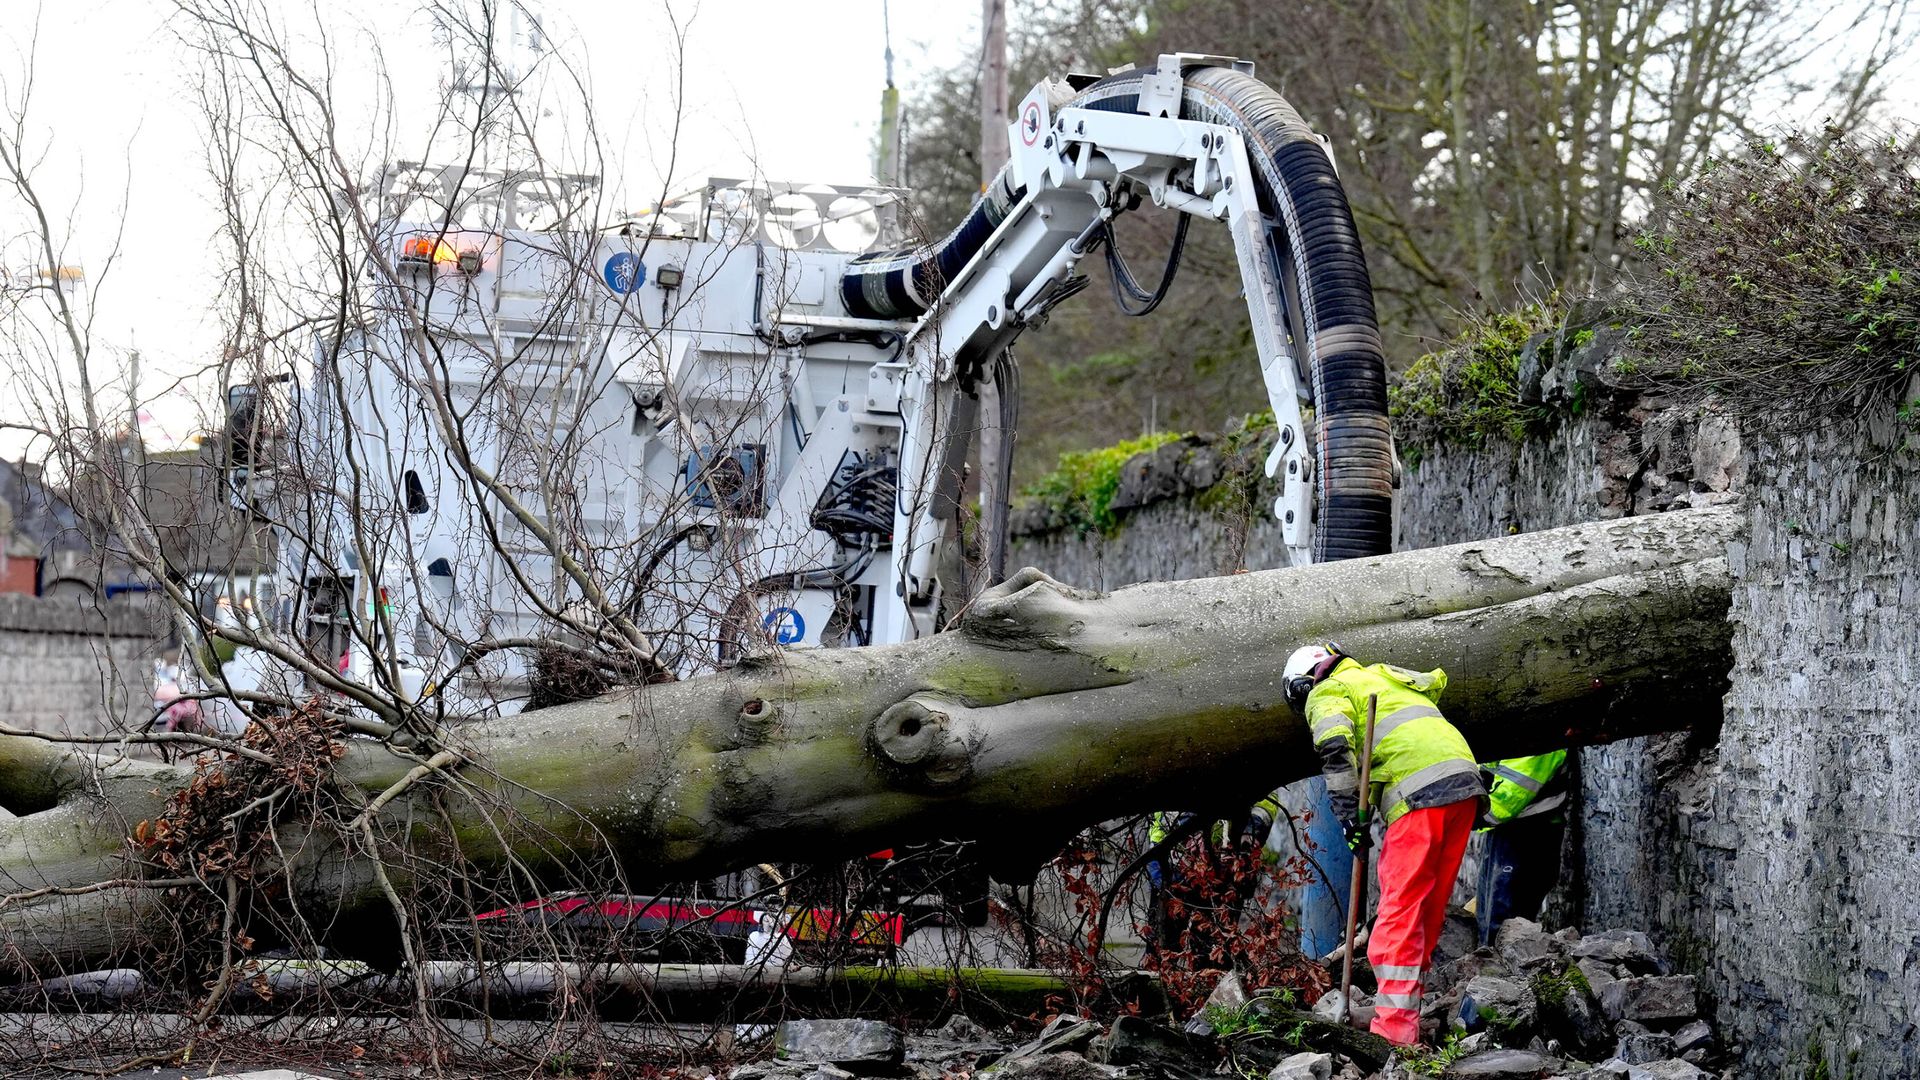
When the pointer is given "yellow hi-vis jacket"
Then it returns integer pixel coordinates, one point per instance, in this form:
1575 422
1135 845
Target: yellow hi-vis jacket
1519 783
1419 760
1261 818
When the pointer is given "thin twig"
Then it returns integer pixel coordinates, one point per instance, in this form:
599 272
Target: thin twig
98 886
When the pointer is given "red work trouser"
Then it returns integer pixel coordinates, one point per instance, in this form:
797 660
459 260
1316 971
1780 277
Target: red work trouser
1418 862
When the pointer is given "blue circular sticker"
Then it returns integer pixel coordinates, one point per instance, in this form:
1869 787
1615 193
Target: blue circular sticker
785 624
625 273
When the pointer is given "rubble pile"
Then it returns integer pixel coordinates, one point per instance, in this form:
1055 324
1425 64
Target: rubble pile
1534 1006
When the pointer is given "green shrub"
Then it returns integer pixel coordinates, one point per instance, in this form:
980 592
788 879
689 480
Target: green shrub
1468 394
1785 279
1080 488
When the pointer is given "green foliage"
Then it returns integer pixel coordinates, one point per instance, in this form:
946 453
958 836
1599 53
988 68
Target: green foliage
1782 281
1243 1019
1432 1062
1468 394
1080 488
1553 989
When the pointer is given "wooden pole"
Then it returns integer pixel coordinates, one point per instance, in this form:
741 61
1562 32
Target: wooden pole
995 443
1357 887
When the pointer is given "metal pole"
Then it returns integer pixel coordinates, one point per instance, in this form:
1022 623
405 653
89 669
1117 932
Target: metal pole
1358 886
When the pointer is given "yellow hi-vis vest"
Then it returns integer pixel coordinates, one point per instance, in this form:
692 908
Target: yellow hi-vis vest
1518 782
1419 760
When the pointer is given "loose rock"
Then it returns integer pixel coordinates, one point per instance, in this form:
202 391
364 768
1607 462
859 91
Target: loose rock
1694 1037
1328 1007
1228 994
1304 1067
1063 1065
1063 1032
859 1046
1671 1069
1654 999
1639 1046
1630 948
1502 1064
1166 1052
962 1028
1598 973
1478 1042
1502 1006
1570 1012
1523 945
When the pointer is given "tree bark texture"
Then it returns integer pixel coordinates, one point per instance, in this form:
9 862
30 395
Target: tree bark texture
1046 709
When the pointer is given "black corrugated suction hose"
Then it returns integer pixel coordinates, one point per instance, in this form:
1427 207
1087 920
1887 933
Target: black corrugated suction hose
1341 335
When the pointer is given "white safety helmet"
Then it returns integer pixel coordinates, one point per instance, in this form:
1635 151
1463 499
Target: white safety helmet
1297 677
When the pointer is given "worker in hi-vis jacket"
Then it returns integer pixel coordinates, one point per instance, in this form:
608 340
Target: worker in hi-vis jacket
1427 789
1526 813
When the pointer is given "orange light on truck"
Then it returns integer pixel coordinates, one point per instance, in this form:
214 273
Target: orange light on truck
422 251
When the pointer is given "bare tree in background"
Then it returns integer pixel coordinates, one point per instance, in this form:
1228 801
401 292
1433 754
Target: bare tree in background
1493 152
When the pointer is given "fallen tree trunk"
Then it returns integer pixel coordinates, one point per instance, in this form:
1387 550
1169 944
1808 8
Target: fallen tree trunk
1046 709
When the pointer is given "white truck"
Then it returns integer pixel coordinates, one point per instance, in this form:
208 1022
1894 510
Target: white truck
740 422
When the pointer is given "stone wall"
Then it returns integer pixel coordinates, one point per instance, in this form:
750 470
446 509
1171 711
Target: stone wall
1773 850
71 665
1796 854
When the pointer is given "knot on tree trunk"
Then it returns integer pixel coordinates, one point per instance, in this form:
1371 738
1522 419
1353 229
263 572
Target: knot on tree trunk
923 744
1028 610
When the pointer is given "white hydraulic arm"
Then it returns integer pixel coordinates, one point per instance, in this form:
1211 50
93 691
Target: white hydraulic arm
1075 168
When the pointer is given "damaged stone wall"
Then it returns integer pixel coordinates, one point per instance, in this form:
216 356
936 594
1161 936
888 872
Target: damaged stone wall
1771 851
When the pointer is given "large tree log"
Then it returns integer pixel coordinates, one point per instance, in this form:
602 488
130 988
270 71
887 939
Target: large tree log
1048 708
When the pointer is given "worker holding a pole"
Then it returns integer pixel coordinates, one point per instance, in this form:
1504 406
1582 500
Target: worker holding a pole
1424 784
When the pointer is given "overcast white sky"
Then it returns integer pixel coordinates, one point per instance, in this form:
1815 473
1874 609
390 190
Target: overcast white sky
790 85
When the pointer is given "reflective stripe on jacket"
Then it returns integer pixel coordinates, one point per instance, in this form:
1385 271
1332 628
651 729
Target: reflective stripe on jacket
1419 759
1518 782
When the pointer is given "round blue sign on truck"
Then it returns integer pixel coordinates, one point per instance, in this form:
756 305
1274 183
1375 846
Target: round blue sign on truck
785 624
625 273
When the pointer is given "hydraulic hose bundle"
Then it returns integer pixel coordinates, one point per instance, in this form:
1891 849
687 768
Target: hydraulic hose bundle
1314 231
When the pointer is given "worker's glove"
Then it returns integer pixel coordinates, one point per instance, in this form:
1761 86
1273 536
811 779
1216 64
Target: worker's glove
1359 836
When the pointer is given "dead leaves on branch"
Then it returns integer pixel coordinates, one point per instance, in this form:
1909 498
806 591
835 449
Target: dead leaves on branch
218 823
